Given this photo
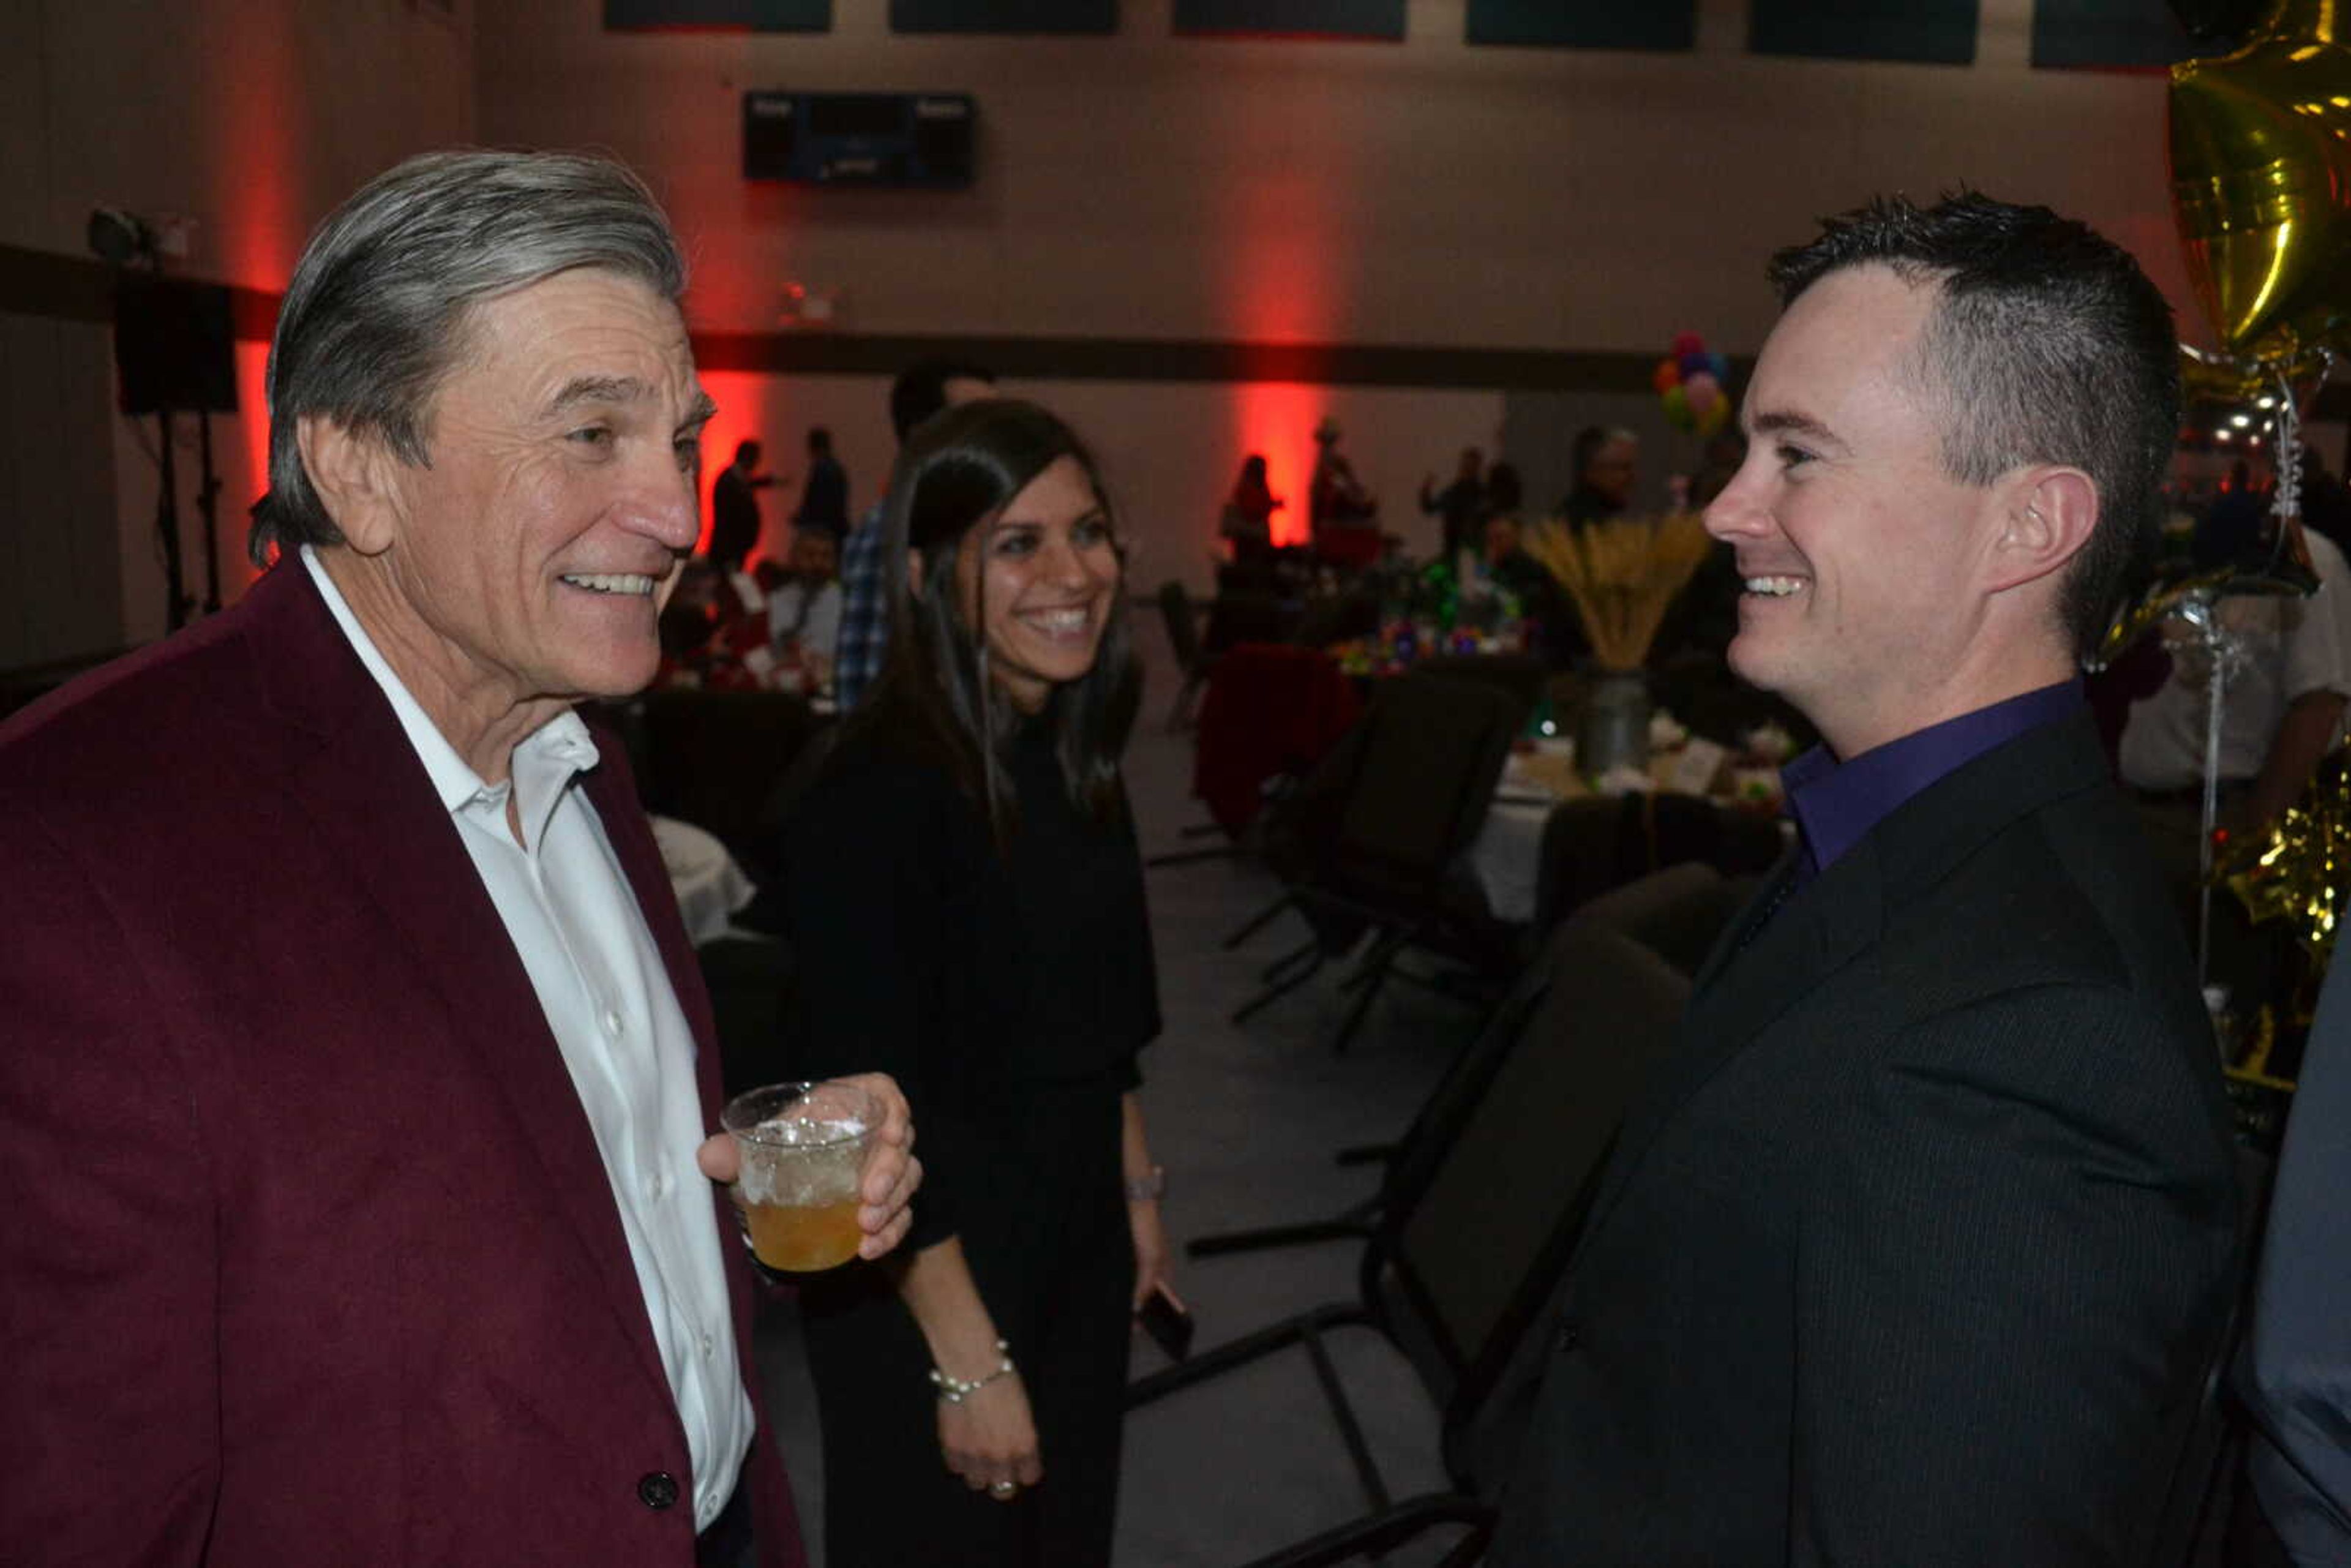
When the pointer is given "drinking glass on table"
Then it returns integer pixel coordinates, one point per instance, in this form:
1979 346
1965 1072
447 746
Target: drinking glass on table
802 1148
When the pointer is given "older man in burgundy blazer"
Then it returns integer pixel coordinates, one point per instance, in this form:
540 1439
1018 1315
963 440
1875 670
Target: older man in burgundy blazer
353 1066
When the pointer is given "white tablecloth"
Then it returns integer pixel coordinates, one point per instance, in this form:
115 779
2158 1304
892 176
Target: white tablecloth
1505 854
710 886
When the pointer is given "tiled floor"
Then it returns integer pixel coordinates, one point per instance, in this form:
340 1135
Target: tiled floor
1246 1119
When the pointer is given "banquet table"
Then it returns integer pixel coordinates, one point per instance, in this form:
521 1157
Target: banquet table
1506 858
710 886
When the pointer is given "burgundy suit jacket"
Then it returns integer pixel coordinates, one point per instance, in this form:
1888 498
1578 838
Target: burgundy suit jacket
309 1256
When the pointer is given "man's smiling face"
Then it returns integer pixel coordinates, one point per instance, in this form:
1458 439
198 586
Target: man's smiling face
538 541
1855 544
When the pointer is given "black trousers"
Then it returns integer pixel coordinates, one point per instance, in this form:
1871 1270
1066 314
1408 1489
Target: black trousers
1043 1226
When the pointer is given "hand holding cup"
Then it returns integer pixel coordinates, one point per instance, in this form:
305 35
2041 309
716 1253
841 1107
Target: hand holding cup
822 1172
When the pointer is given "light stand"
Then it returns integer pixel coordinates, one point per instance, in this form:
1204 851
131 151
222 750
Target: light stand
167 528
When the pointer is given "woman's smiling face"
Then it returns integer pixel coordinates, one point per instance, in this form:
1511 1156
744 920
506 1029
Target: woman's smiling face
1040 582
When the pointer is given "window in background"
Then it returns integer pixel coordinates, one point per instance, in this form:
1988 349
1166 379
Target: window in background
2111 33
1585 24
1004 16
1382 19
754 16
1931 32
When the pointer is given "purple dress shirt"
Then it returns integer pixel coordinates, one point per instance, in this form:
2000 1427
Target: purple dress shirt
1835 804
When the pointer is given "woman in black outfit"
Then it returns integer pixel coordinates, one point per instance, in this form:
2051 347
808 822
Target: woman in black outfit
965 906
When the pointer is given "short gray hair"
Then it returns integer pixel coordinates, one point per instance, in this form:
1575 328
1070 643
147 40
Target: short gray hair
377 311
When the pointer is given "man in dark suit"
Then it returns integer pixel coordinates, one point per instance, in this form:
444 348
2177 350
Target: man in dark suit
354 1071
1917 1247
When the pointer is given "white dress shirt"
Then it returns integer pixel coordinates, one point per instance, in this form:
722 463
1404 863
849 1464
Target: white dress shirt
2293 645
600 978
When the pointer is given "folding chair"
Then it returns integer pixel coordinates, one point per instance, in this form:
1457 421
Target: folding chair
1598 842
1677 913
1192 661
1271 715
1430 754
1484 1208
1523 675
713 759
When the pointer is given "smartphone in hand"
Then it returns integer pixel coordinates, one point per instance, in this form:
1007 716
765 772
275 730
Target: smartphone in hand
1169 1325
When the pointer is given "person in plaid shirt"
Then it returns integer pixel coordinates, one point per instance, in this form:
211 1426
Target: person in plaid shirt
920 391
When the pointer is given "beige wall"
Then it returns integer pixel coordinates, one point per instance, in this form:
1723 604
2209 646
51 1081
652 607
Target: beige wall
1144 185
1427 192
1136 186
251 117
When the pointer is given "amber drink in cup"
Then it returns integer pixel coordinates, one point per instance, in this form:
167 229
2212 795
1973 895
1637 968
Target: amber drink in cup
802 1148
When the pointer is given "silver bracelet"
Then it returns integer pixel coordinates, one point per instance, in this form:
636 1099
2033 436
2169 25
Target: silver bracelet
955 1390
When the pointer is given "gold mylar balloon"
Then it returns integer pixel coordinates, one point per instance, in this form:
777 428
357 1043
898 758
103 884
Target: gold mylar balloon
2260 181
2301 869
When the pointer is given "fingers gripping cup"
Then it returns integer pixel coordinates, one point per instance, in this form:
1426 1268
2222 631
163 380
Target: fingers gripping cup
802 1148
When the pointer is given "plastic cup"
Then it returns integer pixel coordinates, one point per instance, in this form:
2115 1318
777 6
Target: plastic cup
802 1148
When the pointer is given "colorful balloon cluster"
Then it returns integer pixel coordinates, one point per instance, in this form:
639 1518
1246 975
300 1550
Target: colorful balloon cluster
1689 383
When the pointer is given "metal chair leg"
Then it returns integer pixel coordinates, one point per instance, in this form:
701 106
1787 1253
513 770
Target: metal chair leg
1279 988
1354 1224
1257 921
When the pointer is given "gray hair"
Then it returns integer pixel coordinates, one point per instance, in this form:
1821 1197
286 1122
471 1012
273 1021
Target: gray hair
377 312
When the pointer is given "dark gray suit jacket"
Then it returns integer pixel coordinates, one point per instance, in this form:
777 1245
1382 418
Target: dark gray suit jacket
1914 1250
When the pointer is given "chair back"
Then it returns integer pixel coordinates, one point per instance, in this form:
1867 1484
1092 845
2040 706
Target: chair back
1433 752
1522 675
1269 713
1598 842
1249 615
713 759
1677 913
1183 631
1483 1208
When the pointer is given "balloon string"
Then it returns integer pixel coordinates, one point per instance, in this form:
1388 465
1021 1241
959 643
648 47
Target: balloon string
2215 703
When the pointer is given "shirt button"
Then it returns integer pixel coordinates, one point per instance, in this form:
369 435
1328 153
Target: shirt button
1570 1337
709 1345
657 1186
612 1023
657 1490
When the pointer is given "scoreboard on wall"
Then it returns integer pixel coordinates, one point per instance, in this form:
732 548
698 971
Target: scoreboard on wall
888 139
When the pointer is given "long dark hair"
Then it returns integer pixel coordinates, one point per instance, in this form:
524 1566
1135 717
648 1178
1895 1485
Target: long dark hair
956 475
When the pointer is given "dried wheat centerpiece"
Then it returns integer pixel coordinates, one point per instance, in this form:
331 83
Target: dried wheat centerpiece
1623 575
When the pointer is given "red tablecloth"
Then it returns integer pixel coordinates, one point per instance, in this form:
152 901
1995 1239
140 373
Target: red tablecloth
1268 711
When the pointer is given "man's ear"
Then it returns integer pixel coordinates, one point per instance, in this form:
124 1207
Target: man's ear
2047 516
353 476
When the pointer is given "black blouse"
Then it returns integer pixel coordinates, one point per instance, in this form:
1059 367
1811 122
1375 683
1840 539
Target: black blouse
980 980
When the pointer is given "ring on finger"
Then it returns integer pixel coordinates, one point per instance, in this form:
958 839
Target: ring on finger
1004 1489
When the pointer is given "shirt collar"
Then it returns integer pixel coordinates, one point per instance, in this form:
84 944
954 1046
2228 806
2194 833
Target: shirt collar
544 763
1836 804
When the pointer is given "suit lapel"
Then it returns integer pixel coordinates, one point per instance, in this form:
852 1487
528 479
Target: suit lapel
613 794
1744 989
1783 946
375 809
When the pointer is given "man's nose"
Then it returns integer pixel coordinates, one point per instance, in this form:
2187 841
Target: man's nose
662 507
1738 511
